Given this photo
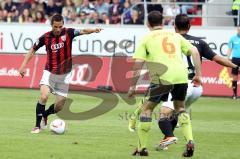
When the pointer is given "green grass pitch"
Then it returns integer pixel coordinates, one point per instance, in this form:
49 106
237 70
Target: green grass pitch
216 127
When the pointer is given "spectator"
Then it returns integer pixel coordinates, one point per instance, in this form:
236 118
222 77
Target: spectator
50 8
23 4
9 5
40 17
154 7
235 8
135 19
5 15
1 15
126 12
108 2
86 7
170 12
72 18
41 5
68 8
82 19
115 12
13 16
186 7
34 9
77 2
58 6
105 19
102 7
138 5
94 18
2 5
25 17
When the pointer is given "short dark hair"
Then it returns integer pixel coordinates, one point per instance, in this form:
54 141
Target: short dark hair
56 18
155 18
182 22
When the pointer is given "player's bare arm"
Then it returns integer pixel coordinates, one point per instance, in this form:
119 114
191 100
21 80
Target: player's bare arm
197 64
224 62
229 52
28 57
89 31
136 73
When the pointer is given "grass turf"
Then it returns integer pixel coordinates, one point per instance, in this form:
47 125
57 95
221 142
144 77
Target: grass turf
215 125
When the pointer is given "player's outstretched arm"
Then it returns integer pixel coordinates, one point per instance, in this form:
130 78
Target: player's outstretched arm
89 31
223 61
28 57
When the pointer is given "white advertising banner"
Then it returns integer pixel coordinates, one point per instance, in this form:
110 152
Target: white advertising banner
18 38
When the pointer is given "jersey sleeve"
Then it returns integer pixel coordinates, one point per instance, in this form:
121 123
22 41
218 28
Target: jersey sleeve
39 43
73 32
185 45
230 43
206 51
141 51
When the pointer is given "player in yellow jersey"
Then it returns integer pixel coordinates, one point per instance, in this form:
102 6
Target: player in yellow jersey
162 53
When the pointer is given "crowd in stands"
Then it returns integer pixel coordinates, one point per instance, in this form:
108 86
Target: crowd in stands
91 11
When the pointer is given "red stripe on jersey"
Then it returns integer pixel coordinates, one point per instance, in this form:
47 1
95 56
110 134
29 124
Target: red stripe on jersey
68 44
54 56
46 39
62 60
69 50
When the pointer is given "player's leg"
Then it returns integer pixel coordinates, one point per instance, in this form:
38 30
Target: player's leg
40 107
166 122
61 92
60 89
179 94
144 126
45 88
152 99
235 78
59 103
134 116
56 107
193 94
186 127
234 86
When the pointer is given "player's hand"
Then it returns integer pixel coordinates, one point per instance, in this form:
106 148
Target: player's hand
22 71
97 30
131 92
197 81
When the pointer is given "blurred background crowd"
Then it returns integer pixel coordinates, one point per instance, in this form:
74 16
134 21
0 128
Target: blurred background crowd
94 11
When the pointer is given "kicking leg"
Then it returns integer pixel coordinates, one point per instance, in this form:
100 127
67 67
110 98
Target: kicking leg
56 107
165 124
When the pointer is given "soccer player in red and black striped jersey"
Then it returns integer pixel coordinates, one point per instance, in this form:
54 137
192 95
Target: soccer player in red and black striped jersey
55 78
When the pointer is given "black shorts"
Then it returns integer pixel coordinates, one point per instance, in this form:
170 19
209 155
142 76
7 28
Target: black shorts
236 61
157 92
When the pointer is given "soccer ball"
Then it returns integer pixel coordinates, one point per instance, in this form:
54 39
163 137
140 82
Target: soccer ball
57 126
